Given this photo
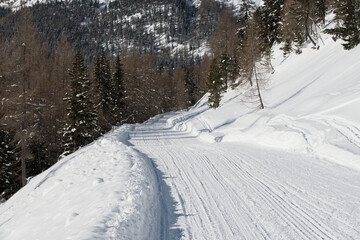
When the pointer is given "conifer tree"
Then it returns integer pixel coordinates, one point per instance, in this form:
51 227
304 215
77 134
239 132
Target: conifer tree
190 86
228 69
10 169
348 29
215 84
292 30
247 7
271 21
118 92
82 127
102 74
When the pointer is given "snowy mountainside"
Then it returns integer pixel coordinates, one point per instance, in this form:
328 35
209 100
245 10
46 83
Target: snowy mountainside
16 4
311 106
236 172
235 3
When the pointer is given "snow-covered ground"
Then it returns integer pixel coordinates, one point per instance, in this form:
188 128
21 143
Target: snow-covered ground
291 171
106 190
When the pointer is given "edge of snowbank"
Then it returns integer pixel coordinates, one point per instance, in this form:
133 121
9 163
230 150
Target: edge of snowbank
106 190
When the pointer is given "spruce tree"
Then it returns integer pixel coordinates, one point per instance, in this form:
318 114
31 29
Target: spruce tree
190 86
271 21
103 78
229 69
10 168
215 84
348 29
82 127
118 92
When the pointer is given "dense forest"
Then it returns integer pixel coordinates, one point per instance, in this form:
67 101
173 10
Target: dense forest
71 70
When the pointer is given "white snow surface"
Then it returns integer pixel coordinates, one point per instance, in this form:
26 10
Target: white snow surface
291 171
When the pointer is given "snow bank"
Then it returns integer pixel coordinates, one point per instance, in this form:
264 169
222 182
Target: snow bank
311 105
106 190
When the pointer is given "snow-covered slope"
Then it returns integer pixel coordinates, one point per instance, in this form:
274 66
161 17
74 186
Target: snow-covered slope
106 190
311 106
291 171
235 3
16 4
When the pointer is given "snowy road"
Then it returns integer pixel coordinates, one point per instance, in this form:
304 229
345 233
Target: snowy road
235 191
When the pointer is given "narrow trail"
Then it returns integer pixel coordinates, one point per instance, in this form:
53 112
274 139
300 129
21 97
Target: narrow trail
233 191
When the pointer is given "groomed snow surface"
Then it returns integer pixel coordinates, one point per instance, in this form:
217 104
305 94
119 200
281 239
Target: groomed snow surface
291 171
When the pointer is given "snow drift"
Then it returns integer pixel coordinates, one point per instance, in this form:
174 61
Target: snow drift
106 190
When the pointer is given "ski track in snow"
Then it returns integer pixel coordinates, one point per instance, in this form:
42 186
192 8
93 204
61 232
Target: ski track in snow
235 191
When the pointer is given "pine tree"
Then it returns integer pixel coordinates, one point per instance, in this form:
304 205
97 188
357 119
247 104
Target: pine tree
292 30
190 86
228 69
215 84
348 29
271 21
118 92
300 23
82 127
10 169
103 79
247 8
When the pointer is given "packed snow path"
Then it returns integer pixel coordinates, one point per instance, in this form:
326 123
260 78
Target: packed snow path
234 191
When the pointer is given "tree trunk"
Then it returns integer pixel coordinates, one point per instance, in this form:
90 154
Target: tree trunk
258 89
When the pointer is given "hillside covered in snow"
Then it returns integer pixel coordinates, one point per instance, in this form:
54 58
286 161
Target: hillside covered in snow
290 171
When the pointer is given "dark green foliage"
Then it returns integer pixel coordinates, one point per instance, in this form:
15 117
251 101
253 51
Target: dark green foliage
118 92
271 14
190 86
348 29
102 76
247 8
215 84
229 69
105 101
10 173
321 8
40 160
293 28
82 127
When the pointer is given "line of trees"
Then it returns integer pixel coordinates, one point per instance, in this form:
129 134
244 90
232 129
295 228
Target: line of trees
52 104
291 23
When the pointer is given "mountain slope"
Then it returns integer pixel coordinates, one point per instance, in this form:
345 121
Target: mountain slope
291 171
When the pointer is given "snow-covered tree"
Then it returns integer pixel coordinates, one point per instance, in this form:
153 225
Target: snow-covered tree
10 169
271 14
348 17
215 84
82 127
118 92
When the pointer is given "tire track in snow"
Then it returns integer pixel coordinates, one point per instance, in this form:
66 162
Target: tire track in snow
316 229
224 194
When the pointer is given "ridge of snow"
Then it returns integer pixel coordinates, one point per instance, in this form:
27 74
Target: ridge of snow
104 189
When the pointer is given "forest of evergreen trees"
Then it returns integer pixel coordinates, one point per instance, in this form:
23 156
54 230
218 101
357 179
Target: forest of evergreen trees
70 72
